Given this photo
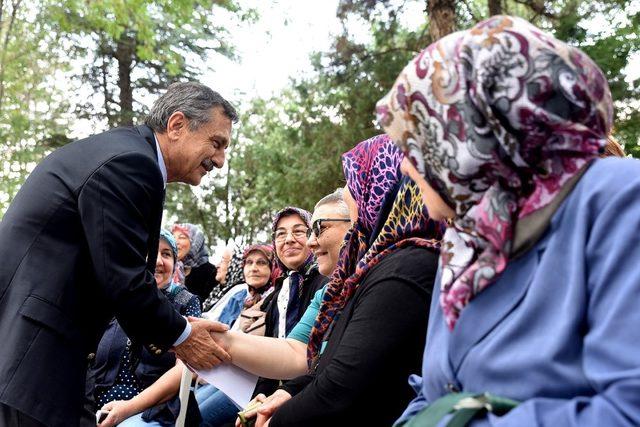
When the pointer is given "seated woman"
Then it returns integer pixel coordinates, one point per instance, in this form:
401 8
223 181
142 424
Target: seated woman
283 308
257 266
129 380
372 319
287 358
537 296
216 408
194 270
298 282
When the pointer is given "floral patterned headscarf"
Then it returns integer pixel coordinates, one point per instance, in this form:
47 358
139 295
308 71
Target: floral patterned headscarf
391 215
498 118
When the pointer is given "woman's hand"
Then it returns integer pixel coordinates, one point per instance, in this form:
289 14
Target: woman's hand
269 406
119 410
251 414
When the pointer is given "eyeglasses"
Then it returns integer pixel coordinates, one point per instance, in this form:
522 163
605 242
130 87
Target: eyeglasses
316 227
297 233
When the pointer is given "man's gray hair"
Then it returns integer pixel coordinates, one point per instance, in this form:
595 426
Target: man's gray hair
194 100
337 198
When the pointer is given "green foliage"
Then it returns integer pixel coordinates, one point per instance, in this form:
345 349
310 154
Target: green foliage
136 48
31 107
291 144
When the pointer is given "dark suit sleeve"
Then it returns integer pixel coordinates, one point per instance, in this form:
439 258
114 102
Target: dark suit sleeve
118 206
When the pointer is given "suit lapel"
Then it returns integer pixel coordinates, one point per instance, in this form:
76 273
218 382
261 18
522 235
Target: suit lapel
154 231
492 305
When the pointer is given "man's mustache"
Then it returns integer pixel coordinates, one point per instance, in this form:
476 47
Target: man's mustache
208 164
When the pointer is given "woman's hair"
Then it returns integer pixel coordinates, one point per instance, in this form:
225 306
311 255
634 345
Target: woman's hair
335 198
612 149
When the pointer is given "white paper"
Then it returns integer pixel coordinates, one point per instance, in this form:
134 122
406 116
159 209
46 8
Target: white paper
235 382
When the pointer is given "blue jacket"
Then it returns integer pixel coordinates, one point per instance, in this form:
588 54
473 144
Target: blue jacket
560 329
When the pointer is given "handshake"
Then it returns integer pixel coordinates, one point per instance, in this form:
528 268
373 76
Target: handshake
200 351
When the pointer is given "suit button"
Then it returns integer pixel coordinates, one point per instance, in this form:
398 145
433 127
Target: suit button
158 352
90 357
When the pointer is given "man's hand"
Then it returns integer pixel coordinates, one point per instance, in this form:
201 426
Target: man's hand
199 350
269 406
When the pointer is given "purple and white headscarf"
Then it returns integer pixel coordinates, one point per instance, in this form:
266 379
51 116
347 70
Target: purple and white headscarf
497 118
391 215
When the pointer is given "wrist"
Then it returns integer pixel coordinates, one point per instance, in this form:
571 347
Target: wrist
224 340
131 407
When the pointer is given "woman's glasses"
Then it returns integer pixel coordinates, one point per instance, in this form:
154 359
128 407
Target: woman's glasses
316 227
280 235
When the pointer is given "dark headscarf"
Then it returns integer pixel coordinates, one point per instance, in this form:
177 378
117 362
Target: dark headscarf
391 215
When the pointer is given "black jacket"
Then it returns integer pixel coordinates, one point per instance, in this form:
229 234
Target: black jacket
201 280
78 246
373 347
312 281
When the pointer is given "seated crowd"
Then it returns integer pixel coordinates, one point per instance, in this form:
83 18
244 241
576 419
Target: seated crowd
469 272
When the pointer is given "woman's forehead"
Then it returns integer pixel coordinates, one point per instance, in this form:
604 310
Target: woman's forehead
290 221
256 255
326 211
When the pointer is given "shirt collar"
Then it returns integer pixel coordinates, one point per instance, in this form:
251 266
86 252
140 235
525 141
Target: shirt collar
163 167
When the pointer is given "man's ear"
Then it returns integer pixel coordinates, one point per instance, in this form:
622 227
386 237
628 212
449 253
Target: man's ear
176 124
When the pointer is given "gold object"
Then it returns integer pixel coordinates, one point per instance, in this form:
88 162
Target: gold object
245 422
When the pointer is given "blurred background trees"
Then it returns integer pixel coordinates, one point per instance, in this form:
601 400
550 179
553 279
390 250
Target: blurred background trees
115 56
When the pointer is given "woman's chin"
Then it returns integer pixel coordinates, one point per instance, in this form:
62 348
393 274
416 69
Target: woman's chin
257 285
326 269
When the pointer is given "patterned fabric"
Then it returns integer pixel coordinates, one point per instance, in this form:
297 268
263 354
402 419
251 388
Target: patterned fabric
198 253
371 169
497 118
234 276
235 273
393 217
179 274
306 218
127 384
296 281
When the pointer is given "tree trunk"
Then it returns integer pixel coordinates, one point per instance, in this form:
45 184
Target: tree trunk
495 7
442 18
125 54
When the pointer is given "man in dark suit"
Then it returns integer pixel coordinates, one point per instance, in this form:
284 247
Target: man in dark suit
78 246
